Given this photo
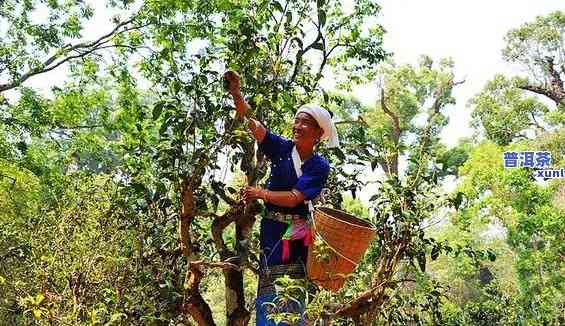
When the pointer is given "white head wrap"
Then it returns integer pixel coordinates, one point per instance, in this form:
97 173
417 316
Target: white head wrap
324 120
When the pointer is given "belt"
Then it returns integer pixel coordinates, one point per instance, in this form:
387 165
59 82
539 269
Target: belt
282 217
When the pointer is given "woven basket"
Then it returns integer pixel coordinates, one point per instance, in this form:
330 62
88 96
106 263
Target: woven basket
340 241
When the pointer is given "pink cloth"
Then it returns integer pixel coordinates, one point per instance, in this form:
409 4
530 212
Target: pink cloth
297 229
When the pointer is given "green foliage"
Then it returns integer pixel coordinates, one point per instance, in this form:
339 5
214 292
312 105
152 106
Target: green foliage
508 204
504 111
506 108
493 307
290 293
451 160
355 207
525 208
92 172
19 191
94 169
534 43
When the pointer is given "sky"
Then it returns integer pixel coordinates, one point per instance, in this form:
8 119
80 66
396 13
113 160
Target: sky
470 32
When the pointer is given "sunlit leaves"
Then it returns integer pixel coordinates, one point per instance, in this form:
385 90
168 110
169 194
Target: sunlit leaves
505 112
533 43
31 40
150 116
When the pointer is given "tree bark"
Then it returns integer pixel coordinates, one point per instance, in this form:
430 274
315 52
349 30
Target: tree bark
194 303
391 164
557 97
237 314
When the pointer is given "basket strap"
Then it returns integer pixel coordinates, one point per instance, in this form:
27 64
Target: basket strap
297 162
331 247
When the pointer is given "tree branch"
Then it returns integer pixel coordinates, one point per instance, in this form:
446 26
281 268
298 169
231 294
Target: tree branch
301 53
555 79
438 102
220 223
80 127
325 57
335 47
535 123
51 62
542 91
392 167
393 116
219 264
358 121
220 192
194 304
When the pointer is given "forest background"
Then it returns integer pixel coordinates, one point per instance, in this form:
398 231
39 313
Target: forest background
120 160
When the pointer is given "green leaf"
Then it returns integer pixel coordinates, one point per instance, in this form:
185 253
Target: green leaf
278 6
166 124
322 17
456 202
421 262
288 17
491 255
39 297
22 147
176 86
298 41
435 252
374 164
339 153
37 314
139 188
326 96
157 109
318 46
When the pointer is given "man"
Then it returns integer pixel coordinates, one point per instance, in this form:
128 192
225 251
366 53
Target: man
297 176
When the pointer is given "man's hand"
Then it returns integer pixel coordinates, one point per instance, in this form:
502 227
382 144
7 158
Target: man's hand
280 198
252 193
234 82
233 87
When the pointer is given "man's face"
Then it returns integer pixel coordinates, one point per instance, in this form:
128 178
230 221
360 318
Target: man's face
305 129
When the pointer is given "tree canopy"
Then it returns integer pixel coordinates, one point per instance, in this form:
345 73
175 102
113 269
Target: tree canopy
120 188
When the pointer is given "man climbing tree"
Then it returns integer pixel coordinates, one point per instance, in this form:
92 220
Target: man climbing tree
298 175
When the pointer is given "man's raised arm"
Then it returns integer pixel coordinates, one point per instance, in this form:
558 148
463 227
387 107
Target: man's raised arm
241 106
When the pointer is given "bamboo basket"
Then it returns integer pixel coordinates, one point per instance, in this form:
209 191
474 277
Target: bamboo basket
339 242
